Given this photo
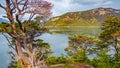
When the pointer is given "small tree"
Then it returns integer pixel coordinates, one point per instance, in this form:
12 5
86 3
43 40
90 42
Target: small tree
103 60
79 47
110 33
23 38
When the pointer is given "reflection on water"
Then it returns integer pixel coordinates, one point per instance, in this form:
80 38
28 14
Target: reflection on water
79 30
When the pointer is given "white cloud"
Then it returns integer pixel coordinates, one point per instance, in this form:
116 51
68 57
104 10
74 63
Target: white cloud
93 2
63 6
107 3
103 3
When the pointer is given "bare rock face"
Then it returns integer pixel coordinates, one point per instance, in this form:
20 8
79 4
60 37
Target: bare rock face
103 11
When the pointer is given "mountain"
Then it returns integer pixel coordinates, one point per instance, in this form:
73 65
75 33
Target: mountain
3 20
93 17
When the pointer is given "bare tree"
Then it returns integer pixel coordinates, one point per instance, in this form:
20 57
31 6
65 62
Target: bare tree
15 11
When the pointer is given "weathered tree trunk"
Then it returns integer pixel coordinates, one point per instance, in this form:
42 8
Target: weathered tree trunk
20 53
21 57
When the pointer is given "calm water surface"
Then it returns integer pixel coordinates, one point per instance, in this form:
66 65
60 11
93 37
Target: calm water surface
4 57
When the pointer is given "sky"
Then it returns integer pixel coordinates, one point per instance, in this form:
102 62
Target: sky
63 6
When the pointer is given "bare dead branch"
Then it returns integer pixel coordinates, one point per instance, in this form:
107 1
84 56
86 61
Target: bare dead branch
25 4
8 3
31 16
16 5
2 6
19 1
19 22
12 55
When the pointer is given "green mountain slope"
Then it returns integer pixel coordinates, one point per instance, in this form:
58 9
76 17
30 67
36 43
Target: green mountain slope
92 17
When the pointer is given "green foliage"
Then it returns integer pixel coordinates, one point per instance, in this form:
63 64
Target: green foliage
79 47
61 59
30 28
40 43
77 43
34 27
5 27
56 60
110 26
116 61
14 64
102 60
110 32
43 49
80 57
51 60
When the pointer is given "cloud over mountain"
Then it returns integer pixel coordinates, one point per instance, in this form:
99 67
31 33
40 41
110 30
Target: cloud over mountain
63 6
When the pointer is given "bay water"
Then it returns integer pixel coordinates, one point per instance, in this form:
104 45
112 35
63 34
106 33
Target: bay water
58 40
